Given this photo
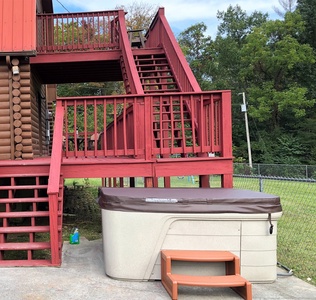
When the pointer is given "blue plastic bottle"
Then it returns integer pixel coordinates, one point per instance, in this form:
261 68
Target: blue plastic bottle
74 236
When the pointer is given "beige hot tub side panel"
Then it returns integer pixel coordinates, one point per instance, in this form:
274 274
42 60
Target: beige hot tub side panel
259 251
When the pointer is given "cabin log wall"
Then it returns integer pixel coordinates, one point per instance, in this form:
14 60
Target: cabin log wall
51 95
5 112
38 111
22 112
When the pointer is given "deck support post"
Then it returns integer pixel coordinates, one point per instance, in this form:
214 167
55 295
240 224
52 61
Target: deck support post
167 182
132 182
149 182
227 180
53 225
204 181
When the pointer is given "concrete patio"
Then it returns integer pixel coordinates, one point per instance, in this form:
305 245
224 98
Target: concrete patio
82 276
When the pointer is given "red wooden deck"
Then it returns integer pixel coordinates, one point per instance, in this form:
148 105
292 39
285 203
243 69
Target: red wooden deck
163 126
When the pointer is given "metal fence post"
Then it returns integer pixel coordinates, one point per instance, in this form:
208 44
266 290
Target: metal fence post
261 189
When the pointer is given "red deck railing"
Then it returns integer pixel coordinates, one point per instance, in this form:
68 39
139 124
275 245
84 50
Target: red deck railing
77 32
147 126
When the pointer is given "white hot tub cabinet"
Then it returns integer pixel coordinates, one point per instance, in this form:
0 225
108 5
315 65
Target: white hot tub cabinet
137 223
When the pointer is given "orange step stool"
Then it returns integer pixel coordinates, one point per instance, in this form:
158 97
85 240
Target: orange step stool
232 279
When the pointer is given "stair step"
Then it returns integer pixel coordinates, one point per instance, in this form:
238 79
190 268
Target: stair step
24 229
25 246
209 281
24 187
152 65
24 200
159 83
24 214
155 77
161 91
154 70
146 58
26 263
199 255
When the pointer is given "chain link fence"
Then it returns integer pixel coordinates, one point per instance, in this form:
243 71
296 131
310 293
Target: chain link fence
296 186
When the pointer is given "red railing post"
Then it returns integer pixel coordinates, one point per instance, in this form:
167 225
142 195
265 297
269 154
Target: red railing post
226 137
147 117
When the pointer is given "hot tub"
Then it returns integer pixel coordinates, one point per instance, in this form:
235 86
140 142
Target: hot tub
138 222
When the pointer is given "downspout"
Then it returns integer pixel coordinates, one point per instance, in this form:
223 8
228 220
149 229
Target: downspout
8 61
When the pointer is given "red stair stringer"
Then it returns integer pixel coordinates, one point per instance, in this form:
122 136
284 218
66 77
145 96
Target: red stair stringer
129 71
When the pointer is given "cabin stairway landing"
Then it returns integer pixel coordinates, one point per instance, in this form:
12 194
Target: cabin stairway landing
25 229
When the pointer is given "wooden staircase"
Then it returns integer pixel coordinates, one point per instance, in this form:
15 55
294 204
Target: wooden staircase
24 220
172 130
155 73
232 279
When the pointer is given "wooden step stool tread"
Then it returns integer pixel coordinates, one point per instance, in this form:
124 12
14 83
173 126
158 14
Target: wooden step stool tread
232 262
199 255
210 281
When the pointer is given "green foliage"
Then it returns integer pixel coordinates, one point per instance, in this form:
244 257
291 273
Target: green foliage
270 54
198 50
90 89
81 210
140 14
307 9
288 150
267 60
236 24
81 205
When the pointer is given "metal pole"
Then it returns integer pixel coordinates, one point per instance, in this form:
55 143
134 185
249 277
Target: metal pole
244 109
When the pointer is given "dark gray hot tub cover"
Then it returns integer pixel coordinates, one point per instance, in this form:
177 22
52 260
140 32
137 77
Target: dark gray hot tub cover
188 200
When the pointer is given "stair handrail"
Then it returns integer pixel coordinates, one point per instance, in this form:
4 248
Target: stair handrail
54 182
57 147
128 57
163 36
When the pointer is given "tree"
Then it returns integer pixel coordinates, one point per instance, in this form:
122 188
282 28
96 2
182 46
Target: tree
216 63
236 24
270 54
287 5
307 9
278 101
198 51
140 14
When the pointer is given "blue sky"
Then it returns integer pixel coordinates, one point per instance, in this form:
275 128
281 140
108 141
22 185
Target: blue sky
180 13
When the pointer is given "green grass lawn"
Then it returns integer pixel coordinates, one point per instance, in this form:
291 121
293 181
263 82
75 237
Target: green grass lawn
296 228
